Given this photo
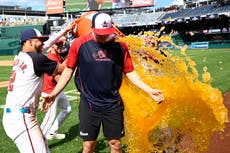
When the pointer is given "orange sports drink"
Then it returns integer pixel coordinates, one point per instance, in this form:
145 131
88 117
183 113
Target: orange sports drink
192 109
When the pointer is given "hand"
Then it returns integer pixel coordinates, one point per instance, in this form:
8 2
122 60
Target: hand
70 25
47 102
156 95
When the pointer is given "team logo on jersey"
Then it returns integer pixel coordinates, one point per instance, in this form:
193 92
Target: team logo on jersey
101 56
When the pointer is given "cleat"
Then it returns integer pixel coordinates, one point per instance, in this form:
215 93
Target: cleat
52 136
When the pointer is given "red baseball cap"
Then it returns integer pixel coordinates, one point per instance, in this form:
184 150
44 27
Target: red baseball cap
102 24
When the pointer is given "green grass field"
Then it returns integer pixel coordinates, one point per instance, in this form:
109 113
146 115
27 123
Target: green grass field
217 61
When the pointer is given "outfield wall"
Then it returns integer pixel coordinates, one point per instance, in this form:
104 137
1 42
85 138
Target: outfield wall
9 38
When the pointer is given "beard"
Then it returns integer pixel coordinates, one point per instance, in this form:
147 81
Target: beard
38 48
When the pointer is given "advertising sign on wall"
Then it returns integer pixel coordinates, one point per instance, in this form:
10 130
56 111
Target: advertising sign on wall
89 5
138 3
54 6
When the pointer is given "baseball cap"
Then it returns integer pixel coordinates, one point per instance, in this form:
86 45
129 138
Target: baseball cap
102 24
31 34
59 41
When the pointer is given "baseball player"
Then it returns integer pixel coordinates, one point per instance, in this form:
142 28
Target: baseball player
101 63
19 118
51 123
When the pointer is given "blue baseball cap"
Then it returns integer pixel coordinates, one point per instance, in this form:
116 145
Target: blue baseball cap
32 34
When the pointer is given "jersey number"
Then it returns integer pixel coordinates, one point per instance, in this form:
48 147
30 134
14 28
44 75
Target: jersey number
12 79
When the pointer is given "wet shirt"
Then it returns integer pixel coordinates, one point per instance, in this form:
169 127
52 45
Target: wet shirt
99 70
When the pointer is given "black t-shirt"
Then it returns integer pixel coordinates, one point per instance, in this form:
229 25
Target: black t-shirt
99 70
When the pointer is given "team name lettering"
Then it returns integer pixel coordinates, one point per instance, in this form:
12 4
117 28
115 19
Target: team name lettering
23 66
101 56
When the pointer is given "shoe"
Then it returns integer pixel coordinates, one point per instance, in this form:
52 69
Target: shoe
52 136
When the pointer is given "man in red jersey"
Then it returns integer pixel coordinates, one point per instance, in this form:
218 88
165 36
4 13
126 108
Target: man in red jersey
51 123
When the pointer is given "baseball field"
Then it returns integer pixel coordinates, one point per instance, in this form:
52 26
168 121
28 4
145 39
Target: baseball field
216 60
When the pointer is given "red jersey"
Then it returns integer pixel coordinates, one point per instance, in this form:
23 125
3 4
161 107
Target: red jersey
49 81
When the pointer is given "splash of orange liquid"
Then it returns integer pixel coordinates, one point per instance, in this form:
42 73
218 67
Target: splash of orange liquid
192 109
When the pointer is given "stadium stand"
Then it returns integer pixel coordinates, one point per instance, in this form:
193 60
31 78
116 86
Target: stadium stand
208 22
149 18
125 19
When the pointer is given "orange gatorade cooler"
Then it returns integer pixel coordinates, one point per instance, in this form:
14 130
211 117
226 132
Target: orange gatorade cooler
83 25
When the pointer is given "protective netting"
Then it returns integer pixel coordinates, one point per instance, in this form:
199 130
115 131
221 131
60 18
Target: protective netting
192 109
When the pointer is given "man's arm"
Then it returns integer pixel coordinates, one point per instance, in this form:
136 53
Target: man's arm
100 6
62 82
60 67
53 38
155 94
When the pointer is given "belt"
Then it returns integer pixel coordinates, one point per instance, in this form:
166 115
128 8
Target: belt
22 110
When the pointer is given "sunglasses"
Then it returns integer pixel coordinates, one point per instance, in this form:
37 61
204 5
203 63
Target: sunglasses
59 44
